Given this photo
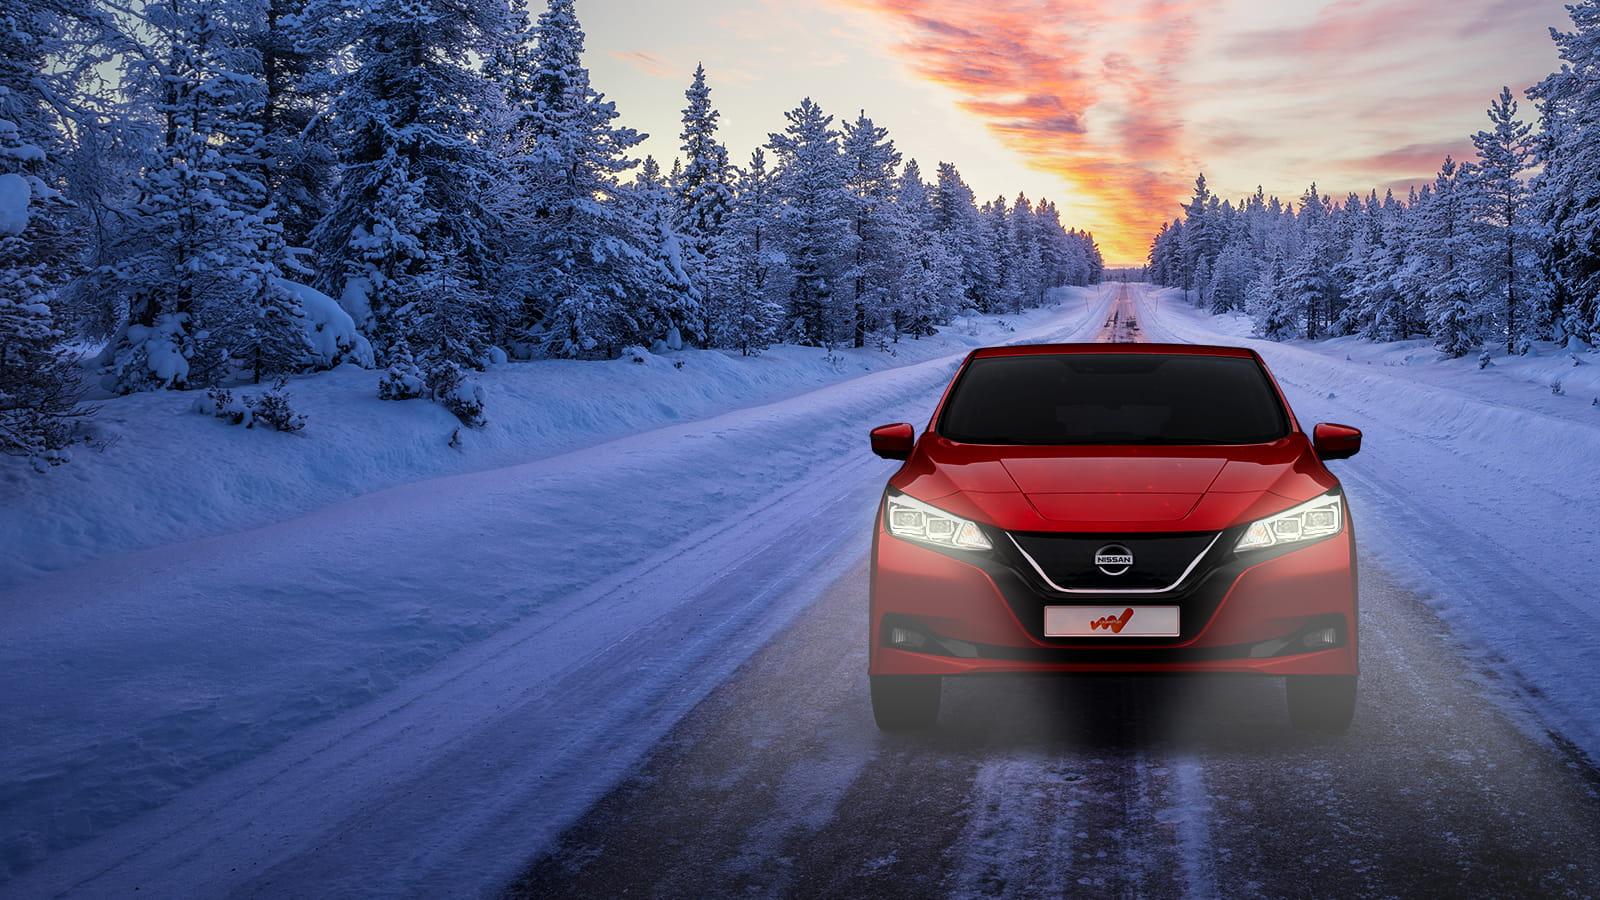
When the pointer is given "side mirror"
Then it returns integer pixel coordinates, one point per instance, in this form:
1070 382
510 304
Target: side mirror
893 441
1336 441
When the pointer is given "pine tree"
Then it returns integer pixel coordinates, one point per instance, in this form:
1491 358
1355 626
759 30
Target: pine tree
39 387
412 215
1502 251
1004 293
1231 279
815 228
1166 255
1272 307
1200 244
587 273
932 290
298 161
198 263
746 303
957 219
1442 236
672 308
1027 243
704 195
1380 306
1567 193
882 243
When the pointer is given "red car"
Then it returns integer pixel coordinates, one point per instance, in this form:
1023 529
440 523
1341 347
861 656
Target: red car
1083 508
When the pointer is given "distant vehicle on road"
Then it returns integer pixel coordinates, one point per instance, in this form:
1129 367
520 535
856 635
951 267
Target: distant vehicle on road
1114 508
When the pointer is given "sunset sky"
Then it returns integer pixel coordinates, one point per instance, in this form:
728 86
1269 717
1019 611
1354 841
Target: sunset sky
1108 108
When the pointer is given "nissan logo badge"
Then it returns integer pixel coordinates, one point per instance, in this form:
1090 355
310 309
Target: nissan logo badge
1113 559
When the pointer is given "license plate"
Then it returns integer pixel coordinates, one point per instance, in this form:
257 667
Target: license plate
1111 621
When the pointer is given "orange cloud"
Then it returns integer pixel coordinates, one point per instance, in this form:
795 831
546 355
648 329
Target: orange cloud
1108 124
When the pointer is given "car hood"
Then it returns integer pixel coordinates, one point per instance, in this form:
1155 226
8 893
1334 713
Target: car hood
1140 488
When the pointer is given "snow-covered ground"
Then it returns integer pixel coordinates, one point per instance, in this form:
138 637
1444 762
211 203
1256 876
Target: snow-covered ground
260 663
167 474
195 596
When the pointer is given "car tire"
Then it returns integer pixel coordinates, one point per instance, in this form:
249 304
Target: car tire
905 702
1321 703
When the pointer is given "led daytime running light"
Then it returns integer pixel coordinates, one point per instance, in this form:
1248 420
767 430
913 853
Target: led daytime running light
909 518
1316 518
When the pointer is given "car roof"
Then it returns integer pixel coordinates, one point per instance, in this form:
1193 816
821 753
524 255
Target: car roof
1156 349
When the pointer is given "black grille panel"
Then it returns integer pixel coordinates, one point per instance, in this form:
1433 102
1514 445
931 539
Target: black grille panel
1159 561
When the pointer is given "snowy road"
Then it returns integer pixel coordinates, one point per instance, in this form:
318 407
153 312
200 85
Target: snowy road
641 667
778 785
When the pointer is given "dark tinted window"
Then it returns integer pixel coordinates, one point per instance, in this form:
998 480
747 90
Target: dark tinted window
1113 398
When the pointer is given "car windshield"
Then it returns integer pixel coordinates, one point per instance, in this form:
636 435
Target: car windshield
1113 398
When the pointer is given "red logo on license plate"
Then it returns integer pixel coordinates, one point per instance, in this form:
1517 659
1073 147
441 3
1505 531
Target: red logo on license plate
1115 623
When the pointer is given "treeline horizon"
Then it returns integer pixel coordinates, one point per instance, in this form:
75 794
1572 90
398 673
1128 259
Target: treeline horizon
448 176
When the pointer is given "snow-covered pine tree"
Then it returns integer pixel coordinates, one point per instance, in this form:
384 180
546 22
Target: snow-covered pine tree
962 227
672 310
410 241
1166 255
1231 279
1200 244
1310 288
39 386
1567 194
198 260
1094 264
1380 309
882 243
1441 235
746 277
1274 307
586 265
999 244
1503 250
931 293
704 196
815 226
298 160
1365 241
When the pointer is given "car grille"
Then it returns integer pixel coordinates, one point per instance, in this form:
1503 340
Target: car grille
1067 561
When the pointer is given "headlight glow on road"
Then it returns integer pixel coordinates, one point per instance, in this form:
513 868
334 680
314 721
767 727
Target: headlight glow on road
910 518
1316 518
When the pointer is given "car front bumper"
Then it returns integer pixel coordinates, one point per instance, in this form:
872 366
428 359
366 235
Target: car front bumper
955 613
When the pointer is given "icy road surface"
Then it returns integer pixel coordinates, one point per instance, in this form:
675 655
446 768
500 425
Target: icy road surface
678 706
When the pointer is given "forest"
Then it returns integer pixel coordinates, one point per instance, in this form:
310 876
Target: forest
196 194
1499 251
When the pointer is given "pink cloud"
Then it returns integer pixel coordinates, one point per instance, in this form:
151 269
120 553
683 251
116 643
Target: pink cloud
1108 124
1351 29
649 63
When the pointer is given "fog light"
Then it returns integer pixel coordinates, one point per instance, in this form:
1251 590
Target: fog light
905 637
1319 638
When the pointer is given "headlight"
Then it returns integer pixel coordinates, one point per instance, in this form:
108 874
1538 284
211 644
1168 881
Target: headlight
1313 519
914 520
